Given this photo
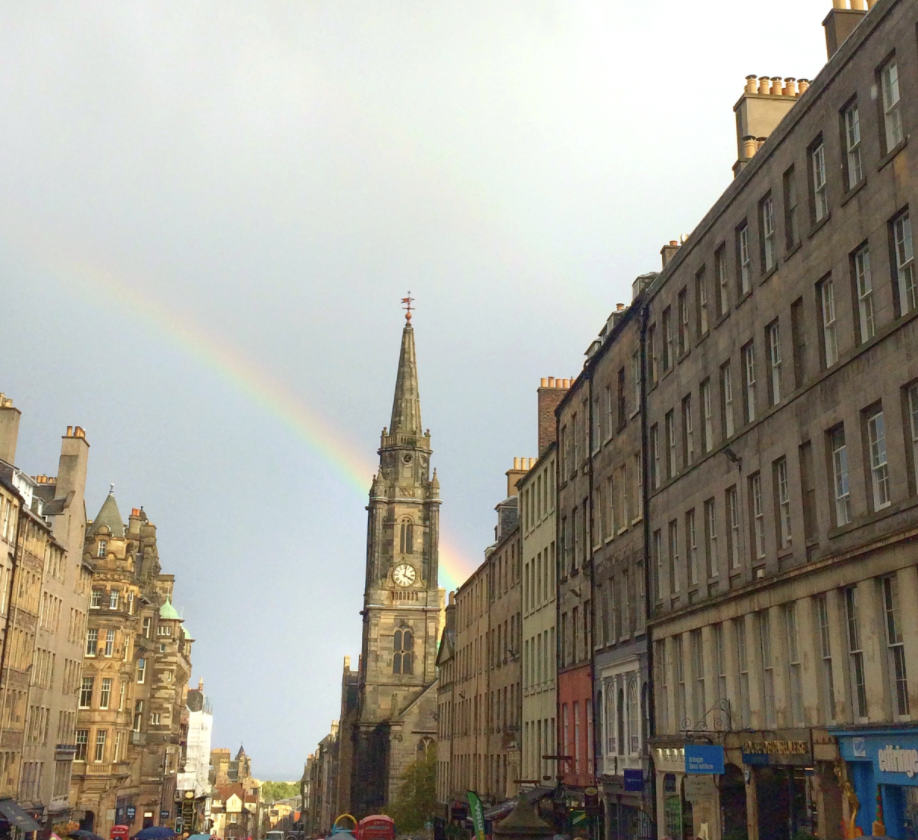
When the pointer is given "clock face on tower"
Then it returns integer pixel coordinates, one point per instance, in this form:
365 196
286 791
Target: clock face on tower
404 575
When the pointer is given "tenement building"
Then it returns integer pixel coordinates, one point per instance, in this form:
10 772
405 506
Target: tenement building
783 457
538 535
403 606
615 546
482 665
133 683
44 596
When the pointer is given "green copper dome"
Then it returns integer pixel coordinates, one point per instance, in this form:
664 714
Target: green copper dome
168 612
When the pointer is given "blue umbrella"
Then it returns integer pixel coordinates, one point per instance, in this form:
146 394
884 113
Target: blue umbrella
199 837
155 832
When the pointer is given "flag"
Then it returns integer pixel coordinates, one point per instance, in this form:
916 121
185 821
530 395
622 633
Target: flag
477 814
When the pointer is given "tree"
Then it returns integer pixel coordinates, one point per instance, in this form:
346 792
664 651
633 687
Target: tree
273 791
416 799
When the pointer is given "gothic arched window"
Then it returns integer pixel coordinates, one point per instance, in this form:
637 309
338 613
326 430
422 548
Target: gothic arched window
407 537
403 647
425 745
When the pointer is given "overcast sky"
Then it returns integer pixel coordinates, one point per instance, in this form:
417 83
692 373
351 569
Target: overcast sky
211 210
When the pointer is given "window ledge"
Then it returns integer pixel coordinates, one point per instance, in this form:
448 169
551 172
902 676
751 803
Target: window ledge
854 191
818 226
893 152
722 318
768 274
874 516
792 250
743 298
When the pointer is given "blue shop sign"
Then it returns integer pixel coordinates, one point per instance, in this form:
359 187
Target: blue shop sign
704 758
131 812
893 753
634 780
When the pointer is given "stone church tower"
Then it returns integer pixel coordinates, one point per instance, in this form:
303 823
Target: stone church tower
394 722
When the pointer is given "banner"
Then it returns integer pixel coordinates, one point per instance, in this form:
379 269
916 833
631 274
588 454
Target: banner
477 815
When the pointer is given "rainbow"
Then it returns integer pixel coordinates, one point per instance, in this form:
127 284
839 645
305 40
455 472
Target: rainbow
259 385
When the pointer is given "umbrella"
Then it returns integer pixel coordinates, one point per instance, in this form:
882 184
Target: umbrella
199 837
80 834
155 832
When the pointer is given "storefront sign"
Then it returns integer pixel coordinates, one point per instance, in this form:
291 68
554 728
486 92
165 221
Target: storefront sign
634 781
704 758
131 812
777 752
698 787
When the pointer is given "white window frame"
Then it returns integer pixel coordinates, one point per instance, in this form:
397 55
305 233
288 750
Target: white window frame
735 529
708 410
854 164
863 281
840 486
879 467
829 324
726 386
892 110
774 361
784 506
820 198
895 650
745 258
691 536
749 368
758 516
768 233
905 263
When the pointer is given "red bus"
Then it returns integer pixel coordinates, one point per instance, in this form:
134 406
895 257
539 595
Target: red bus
377 827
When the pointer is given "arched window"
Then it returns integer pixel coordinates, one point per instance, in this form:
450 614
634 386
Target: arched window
620 715
407 537
403 647
634 717
425 745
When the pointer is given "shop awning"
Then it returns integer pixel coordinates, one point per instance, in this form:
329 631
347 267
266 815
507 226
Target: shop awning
16 816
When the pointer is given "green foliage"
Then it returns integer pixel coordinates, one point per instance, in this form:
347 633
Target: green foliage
273 791
416 799
736 833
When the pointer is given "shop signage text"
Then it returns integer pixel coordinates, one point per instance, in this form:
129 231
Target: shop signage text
704 758
776 748
896 760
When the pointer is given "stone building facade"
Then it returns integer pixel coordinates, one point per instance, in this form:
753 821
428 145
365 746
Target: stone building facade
538 534
403 605
783 448
44 596
135 673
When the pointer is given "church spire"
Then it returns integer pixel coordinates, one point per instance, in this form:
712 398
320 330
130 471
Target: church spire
406 407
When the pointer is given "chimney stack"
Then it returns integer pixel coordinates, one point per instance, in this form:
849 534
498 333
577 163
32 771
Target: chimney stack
842 21
521 466
667 252
551 392
764 103
9 429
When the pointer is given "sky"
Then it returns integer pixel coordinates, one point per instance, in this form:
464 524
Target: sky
211 211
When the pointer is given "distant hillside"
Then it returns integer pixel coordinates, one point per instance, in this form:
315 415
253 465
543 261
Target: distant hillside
272 791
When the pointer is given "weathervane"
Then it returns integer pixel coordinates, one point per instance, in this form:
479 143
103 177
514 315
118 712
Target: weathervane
407 307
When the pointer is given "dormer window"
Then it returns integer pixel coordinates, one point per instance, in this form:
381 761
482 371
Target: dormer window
102 547
163 630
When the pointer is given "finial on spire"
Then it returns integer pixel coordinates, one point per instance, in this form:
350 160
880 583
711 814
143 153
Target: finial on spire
111 489
408 307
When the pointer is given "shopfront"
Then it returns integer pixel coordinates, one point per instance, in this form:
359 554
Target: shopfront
882 769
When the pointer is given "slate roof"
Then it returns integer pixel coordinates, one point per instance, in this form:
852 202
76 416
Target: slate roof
110 517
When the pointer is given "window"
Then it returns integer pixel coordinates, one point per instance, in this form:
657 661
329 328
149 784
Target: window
912 412
876 441
86 692
905 265
138 715
682 302
622 410
794 679
892 113
156 718
141 669
673 557
658 562
710 537
101 548
742 656
122 691
768 666
720 661
827 313
652 353
726 400
105 695
818 174
733 528
691 536
688 431
655 456
638 472
701 297
114 598
109 642
855 654
92 641
610 409
81 737
101 737
634 709
854 169
782 495
749 368
403 647
636 378
894 648
720 272
773 336
707 431
767 223
743 258
406 537
679 657
863 287
575 435
668 341
96 600
147 625
758 516
798 337
841 493
701 705
791 225
661 666
827 684
670 444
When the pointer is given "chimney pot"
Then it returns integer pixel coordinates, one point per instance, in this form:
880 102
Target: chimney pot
802 85
69 431
764 85
790 86
751 86
543 383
